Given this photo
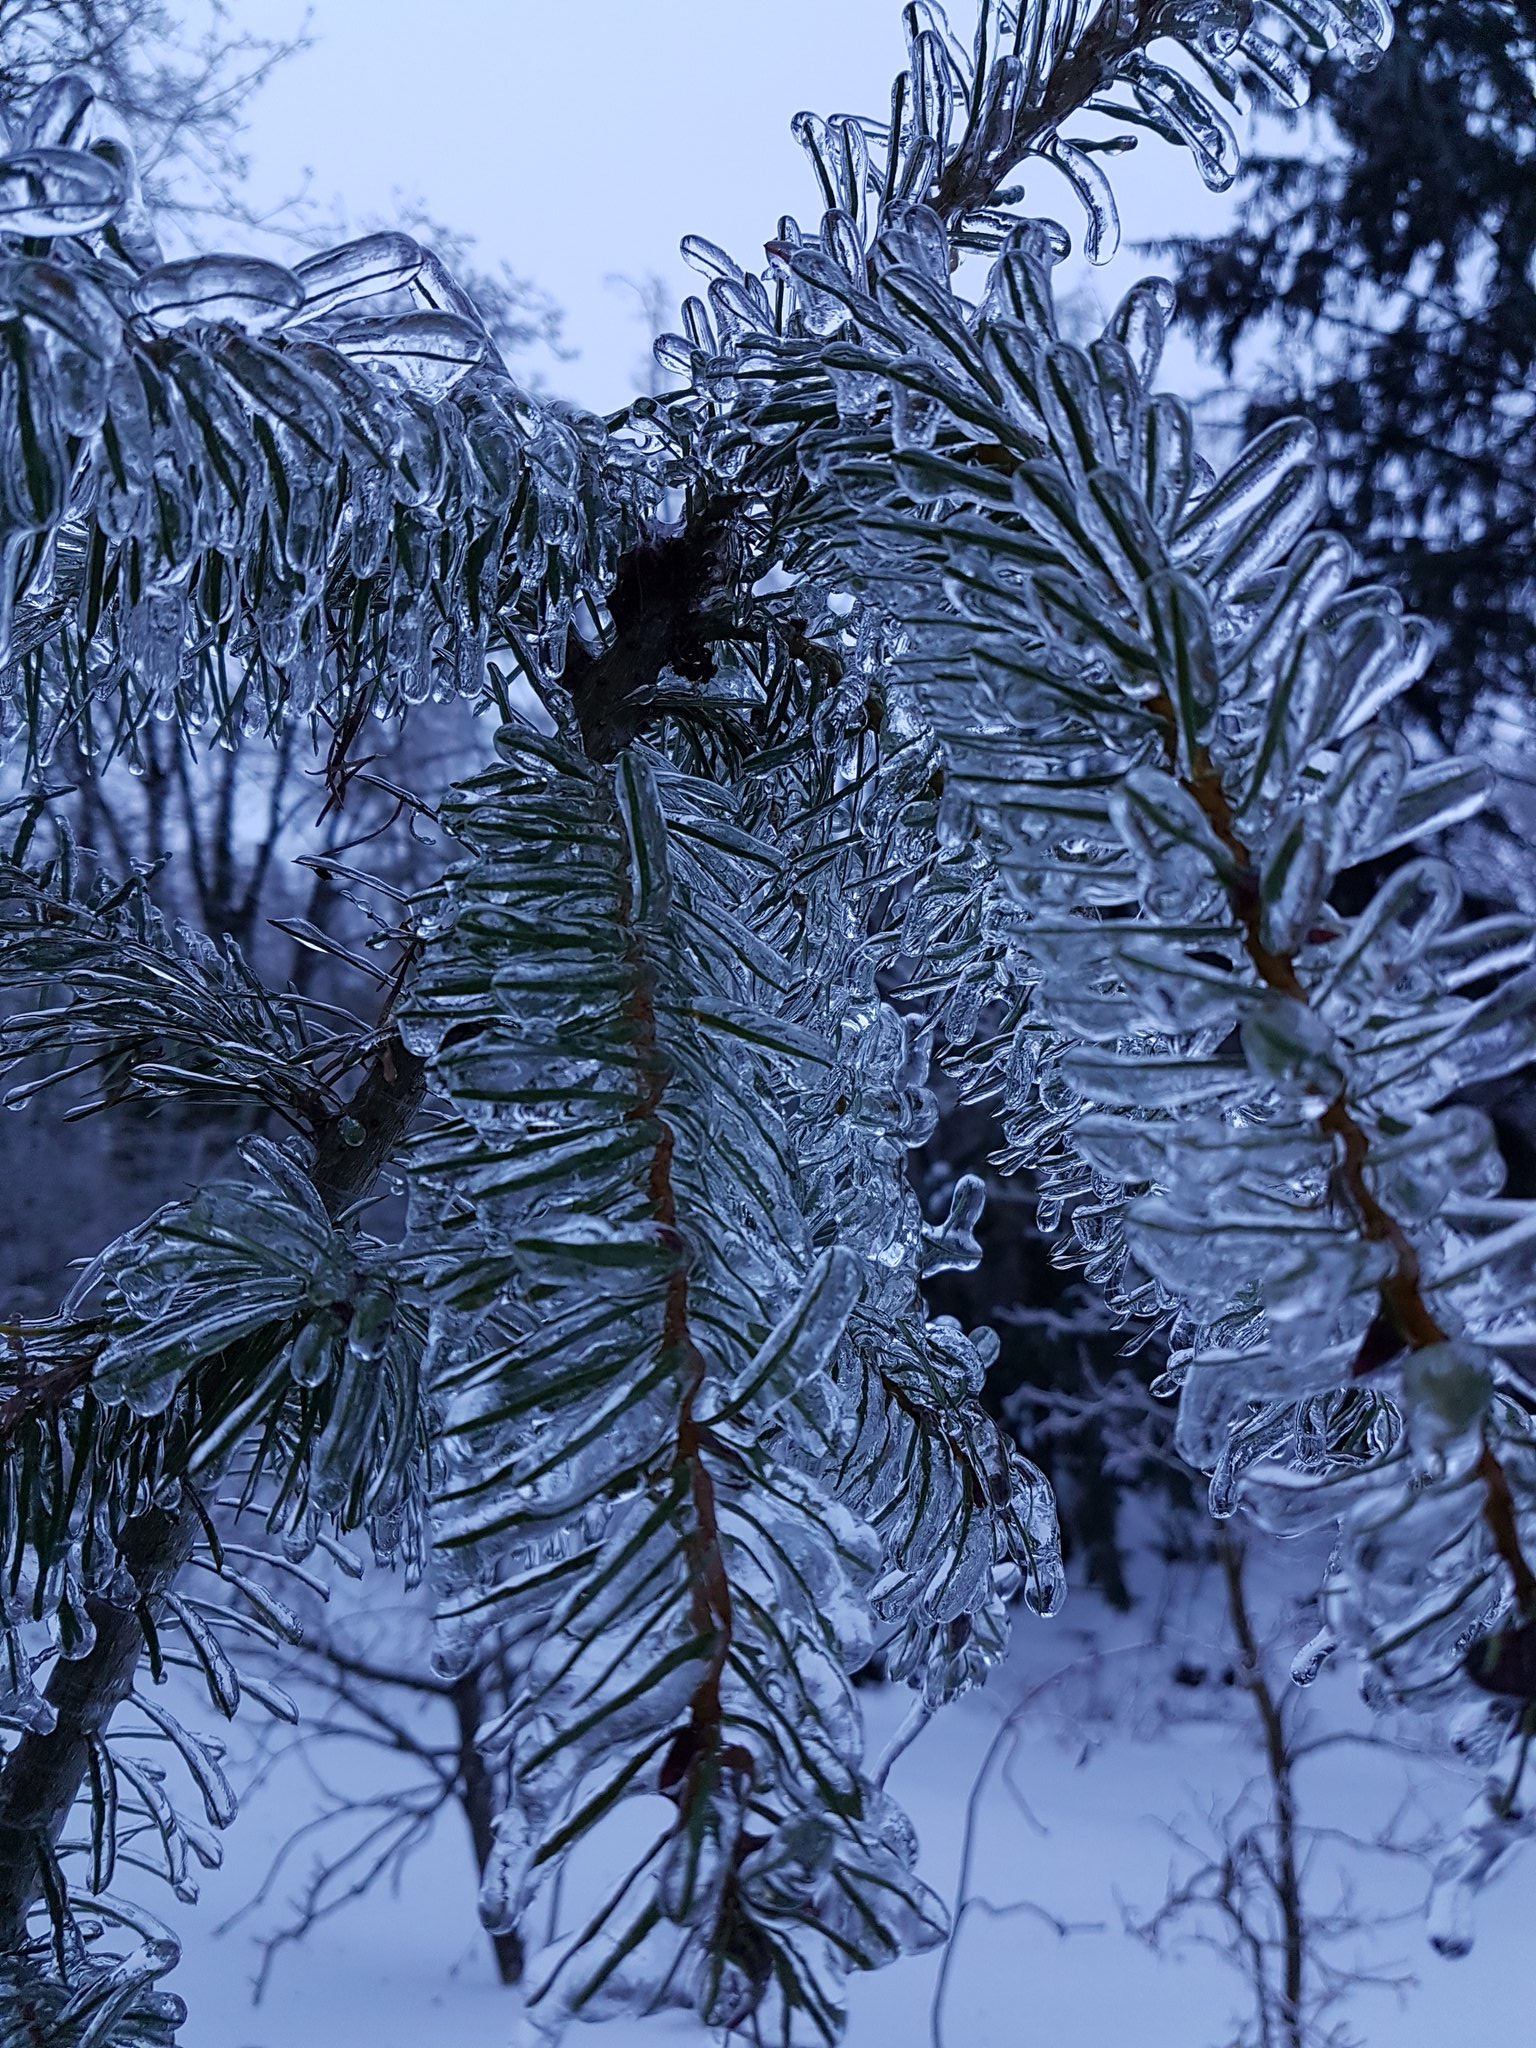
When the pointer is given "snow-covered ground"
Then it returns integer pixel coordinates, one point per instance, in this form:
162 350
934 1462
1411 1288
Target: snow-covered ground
1106 1773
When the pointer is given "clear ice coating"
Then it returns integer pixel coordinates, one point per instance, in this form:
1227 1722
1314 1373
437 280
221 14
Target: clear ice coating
694 1466
241 291
1155 698
237 440
1304 1142
1085 735
368 268
45 192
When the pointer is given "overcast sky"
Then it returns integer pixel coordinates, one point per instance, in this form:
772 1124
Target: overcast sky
581 139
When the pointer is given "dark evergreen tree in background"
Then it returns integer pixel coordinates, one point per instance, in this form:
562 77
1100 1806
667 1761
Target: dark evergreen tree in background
1397 267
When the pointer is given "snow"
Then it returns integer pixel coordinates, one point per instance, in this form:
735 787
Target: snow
1076 1830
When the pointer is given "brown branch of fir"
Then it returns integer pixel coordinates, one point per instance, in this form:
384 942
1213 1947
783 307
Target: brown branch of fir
664 590
42 1776
1404 1314
1401 1296
352 1147
43 1393
696 1747
976 172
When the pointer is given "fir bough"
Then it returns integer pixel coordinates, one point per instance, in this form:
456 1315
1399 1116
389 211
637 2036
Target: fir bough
1040 750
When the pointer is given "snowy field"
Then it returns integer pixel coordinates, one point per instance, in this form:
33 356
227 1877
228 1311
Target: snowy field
1096 1799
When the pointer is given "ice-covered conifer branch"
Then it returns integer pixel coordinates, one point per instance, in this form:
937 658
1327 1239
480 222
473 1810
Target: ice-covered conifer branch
689 1381
98 984
239 493
1405 1318
1157 695
698 1446
241 1329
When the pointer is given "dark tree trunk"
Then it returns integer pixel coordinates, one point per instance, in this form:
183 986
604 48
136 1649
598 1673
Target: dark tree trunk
478 1798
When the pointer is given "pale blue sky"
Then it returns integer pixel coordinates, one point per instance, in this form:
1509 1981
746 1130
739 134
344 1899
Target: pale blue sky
581 138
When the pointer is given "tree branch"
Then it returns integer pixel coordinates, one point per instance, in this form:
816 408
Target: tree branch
662 589
43 1773
41 1777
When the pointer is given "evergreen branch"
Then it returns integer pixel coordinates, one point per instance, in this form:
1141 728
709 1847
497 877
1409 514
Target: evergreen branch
42 1775
710 1598
1088 63
48 1392
698 1444
659 602
1113 597
1404 1308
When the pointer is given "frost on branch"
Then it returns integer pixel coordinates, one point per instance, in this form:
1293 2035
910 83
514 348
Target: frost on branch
236 493
1157 693
1042 753
701 1448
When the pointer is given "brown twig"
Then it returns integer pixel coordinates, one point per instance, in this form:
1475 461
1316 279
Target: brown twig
660 601
973 176
1404 1311
41 1777
43 1393
710 1591
1279 1759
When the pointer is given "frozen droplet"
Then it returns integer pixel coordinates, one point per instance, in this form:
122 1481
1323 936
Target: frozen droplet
60 116
1311 1657
1181 110
430 353
57 192
1140 324
952 1246
1101 234
1450 1924
239 291
364 269
1252 482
